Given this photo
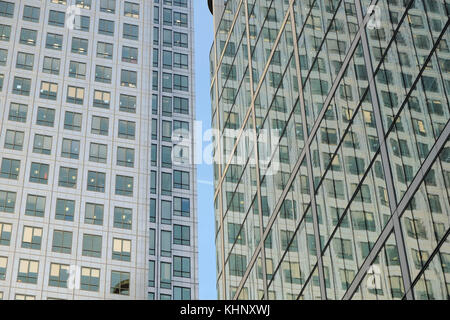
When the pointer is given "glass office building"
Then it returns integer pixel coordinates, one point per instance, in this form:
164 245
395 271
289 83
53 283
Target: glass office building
97 199
332 170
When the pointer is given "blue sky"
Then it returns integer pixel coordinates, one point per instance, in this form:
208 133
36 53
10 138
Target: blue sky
203 25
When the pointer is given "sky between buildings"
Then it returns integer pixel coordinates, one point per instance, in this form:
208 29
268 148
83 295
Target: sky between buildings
203 25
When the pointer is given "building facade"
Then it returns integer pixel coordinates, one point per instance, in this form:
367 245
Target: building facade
332 156
97 196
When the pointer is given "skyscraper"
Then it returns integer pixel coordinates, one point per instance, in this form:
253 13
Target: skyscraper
332 156
97 197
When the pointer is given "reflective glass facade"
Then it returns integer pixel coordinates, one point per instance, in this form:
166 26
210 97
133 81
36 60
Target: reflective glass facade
332 170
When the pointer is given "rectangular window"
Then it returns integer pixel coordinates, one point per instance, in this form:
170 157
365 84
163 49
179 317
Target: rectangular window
127 129
106 27
3 266
130 31
59 274
128 78
25 61
96 181
28 37
127 103
56 18
10 169
98 152
42 144
182 267
166 184
5 233
124 186
121 249
102 99
31 14
70 149
181 180
28 271
54 41
49 90
75 95
67 177
120 283
92 245
90 279
131 10
39 173
77 70
6 9
104 50
51 65
100 125
21 86
103 74
7 201
14 140
80 46
181 235
18 112
108 6
181 207
94 214
125 157
123 218
129 54
62 242
72 121
45 117
35 206
166 243
65 209
5 32
166 275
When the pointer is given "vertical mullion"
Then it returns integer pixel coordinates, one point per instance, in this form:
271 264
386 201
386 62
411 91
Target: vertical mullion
308 160
406 278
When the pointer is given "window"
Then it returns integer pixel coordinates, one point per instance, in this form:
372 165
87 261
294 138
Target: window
166 243
77 70
42 144
98 152
166 184
62 242
96 181
181 235
181 180
180 39
151 273
180 60
3 265
14 140
17 112
180 19
48 90
128 78
65 209
25 61
28 271
180 293
127 103
5 32
102 99
131 10
129 54
104 50
166 157
94 214
54 41
120 283
39 173
75 95
72 121
108 6
31 14
103 74
32 238
7 201
68 177
121 249
51 65
106 27
6 9
35 206
92 246
130 31
80 46
2 77
90 279
166 275
59 274
122 218
5 233
180 82
124 186
152 244
70 149
125 157
166 212
3 57
182 267
19 296
82 23
28 37
181 207
100 125
237 264
127 129
56 18
21 86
